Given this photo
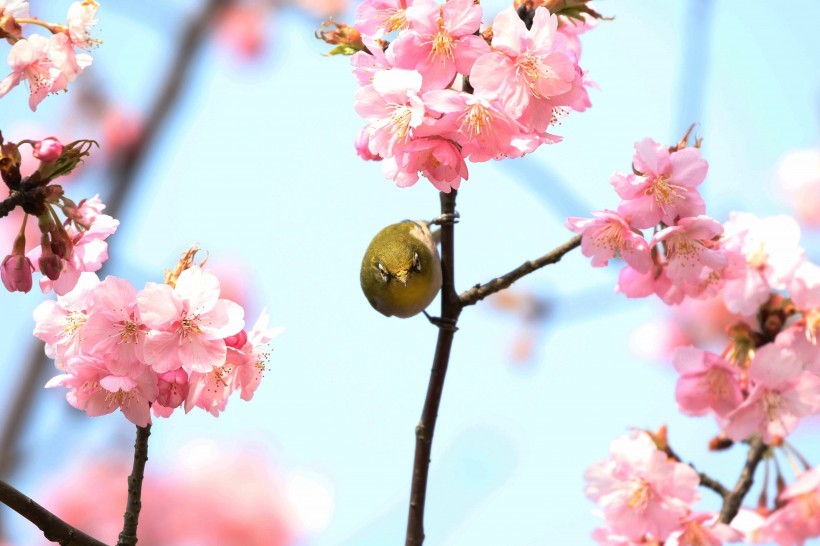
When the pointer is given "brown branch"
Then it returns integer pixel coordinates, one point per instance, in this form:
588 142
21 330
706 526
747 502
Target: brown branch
711 483
128 536
450 310
481 291
53 528
731 504
705 480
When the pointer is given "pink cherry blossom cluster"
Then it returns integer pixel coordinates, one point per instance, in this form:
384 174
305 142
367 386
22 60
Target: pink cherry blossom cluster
66 248
47 64
763 383
443 91
159 348
648 497
682 258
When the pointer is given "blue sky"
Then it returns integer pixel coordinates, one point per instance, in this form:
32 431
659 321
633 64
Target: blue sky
257 166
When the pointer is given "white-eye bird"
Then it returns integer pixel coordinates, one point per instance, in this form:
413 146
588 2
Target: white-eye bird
401 269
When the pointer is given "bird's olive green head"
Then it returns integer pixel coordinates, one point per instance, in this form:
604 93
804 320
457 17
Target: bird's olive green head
401 272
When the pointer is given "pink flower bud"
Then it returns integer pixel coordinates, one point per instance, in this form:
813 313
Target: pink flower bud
50 265
173 388
362 148
16 273
49 149
237 341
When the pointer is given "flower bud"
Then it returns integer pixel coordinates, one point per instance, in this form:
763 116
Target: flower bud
49 149
50 264
173 388
362 148
16 273
347 39
237 341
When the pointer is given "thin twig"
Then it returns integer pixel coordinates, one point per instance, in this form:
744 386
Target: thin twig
481 291
450 310
128 536
731 504
53 528
711 483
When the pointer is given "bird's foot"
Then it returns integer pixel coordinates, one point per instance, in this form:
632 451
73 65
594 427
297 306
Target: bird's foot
449 218
440 322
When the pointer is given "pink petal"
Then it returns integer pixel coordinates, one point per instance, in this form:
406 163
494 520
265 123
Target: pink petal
200 289
158 305
688 168
773 366
225 319
201 355
162 351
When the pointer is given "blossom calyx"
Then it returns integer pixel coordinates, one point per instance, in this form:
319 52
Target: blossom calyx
70 156
347 39
572 9
185 262
9 27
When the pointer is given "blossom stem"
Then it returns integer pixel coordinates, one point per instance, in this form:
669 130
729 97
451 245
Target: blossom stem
53 528
481 291
51 27
128 536
731 503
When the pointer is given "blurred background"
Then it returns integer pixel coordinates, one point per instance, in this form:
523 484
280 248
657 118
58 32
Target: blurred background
222 124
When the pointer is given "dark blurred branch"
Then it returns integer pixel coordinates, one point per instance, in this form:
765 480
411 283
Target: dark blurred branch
128 536
53 528
123 176
481 291
179 73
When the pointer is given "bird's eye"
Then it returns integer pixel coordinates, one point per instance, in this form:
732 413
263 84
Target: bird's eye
416 262
383 272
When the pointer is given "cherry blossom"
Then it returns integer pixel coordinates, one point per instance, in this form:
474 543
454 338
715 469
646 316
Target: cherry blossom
29 61
763 255
609 235
440 41
688 248
526 66
395 109
798 519
693 532
665 190
113 326
187 322
781 394
640 490
707 382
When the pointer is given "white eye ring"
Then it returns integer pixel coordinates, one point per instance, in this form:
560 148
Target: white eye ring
416 261
383 272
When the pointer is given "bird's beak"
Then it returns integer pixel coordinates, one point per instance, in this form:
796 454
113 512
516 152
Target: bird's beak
402 278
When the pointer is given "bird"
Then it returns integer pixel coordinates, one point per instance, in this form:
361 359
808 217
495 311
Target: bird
401 269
